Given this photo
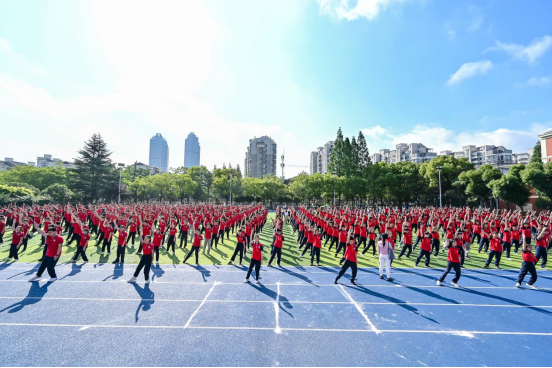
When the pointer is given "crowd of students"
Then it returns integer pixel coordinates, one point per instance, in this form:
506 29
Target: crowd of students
389 232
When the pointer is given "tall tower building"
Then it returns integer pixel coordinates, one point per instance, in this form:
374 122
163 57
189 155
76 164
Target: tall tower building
192 151
159 152
260 158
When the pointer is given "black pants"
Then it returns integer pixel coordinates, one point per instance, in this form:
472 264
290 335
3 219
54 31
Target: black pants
457 269
184 238
516 245
276 252
362 241
25 242
478 236
307 247
315 253
239 248
133 236
13 251
340 246
106 243
156 251
527 267
334 242
145 263
496 255
404 249
507 247
120 254
215 241
171 242
80 252
484 244
193 250
221 236
47 263
2 238
372 244
344 269
540 252
257 264
435 246
426 254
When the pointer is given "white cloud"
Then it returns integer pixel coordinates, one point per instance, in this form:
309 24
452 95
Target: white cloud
442 139
343 9
538 82
529 53
9 53
477 18
469 70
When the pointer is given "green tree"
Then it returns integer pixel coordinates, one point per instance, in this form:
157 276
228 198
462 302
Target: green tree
539 176
94 174
38 177
204 178
336 157
477 182
185 187
252 187
537 154
59 193
510 187
363 153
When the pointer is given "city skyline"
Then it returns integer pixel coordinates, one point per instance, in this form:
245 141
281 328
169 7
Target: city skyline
445 74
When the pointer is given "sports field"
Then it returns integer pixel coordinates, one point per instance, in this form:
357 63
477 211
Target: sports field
206 316
221 256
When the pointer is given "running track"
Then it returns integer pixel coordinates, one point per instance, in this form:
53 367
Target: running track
206 316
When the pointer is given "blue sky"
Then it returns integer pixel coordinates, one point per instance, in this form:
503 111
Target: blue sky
443 73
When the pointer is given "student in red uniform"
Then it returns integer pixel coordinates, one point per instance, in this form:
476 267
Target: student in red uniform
82 246
425 250
195 247
121 245
342 240
350 261
256 259
277 243
542 243
240 238
184 227
145 261
453 261
407 243
2 228
17 240
208 238
171 242
507 241
371 242
496 250
54 247
156 241
527 266
316 248
108 236
132 230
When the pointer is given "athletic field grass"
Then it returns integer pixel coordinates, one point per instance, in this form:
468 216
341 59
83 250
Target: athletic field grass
290 254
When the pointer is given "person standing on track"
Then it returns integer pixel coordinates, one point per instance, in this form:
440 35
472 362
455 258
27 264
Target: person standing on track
453 261
256 259
145 261
316 248
195 247
527 266
277 243
384 248
53 252
82 245
17 240
121 245
425 250
350 260
240 238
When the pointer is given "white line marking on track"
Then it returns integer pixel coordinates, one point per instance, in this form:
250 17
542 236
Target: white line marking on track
23 297
358 307
200 305
444 332
277 310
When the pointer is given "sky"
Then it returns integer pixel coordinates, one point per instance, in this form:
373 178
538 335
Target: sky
441 73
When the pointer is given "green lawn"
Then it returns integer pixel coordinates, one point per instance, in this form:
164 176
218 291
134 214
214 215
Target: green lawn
290 254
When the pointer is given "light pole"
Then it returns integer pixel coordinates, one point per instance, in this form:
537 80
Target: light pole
439 169
120 177
231 174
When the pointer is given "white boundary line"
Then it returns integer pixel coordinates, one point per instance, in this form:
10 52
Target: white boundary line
200 305
279 283
460 333
277 328
360 310
269 301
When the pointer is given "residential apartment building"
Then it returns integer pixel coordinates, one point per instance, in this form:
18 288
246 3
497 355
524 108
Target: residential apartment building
403 152
48 161
546 146
320 159
260 157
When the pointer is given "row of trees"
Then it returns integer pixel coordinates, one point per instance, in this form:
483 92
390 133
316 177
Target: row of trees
353 178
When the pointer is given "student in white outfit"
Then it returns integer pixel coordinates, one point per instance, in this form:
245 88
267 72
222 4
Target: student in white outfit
384 245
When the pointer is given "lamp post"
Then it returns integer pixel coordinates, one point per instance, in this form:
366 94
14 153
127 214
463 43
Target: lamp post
439 169
120 166
231 174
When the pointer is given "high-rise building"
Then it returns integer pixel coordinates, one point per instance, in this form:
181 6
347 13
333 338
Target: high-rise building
192 151
320 159
159 152
413 152
260 157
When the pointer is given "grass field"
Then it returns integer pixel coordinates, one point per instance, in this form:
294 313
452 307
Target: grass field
290 254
